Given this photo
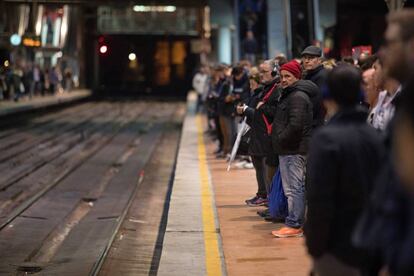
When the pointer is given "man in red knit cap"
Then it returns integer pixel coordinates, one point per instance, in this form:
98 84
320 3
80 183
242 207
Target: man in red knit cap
291 131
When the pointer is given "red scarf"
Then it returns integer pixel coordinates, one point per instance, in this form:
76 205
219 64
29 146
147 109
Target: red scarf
265 99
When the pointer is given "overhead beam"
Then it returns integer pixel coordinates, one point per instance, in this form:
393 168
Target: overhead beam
181 3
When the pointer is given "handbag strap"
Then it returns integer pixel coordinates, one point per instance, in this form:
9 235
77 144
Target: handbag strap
268 94
268 125
265 99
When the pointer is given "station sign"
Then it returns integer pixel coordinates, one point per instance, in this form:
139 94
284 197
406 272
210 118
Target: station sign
31 41
199 46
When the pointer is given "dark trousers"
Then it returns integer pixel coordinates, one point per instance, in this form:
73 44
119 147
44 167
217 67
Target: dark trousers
261 175
270 172
219 133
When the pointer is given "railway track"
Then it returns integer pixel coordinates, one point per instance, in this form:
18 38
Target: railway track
63 198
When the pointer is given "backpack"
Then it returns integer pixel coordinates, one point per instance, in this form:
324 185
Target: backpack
278 207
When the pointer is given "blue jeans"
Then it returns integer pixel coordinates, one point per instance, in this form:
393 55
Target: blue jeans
292 171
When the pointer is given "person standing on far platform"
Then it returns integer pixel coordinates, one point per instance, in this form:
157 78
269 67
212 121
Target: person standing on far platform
200 85
249 47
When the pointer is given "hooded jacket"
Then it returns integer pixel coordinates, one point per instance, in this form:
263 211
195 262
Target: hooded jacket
293 119
318 77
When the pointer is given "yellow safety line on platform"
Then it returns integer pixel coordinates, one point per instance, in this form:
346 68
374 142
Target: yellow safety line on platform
211 244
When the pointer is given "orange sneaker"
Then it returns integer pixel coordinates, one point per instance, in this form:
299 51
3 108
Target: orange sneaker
287 232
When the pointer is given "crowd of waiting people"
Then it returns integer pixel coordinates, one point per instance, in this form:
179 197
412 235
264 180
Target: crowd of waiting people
341 135
28 80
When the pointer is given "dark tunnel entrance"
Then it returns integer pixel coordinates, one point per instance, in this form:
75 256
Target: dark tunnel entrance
146 65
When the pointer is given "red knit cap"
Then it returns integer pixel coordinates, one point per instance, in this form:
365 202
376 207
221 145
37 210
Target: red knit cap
293 67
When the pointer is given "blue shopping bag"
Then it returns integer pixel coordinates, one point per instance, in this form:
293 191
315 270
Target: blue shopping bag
278 207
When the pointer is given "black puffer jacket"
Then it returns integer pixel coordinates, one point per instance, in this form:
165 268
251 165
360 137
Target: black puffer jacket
260 143
318 77
292 123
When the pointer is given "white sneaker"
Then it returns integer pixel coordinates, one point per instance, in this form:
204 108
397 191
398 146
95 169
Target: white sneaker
240 164
248 165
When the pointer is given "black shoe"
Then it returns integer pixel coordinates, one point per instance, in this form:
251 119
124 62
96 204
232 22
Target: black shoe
220 155
263 213
219 150
273 219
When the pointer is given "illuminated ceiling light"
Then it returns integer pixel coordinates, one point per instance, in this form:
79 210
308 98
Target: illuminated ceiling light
103 49
132 56
141 8
170 8
6 63
38 25
15 39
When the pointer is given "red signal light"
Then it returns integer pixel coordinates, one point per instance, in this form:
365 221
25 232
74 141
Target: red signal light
103 49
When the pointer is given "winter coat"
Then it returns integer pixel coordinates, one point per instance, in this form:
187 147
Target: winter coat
241 89
318 77
224 108
292 123
260 143
343 161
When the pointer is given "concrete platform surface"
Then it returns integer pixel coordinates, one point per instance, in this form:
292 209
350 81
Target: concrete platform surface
25 104
210 230
249 247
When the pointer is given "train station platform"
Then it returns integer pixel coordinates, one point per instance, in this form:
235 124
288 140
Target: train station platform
42 102
210 230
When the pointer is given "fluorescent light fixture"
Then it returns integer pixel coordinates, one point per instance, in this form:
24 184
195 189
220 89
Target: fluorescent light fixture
141 8
138 8
170 8
65 25
132 56
39 20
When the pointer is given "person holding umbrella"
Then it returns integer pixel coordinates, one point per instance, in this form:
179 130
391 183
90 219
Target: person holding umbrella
259 113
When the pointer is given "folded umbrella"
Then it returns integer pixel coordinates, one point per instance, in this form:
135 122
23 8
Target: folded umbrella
242 130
